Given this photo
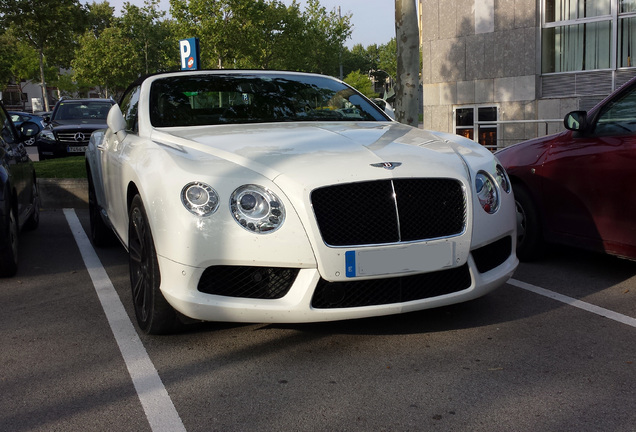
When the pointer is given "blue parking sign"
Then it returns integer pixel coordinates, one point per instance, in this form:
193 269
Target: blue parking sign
189 49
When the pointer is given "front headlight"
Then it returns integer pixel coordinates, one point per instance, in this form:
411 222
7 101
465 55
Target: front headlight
487 192
199 198
257 209
47 135
502 179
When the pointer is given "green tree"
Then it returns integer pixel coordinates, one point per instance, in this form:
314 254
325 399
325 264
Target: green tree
211 22
263 33
49 26
323 39
99 17
106 61
362 83
387 58
149 35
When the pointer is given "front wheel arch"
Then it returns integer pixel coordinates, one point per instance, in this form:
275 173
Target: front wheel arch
530 243
153 312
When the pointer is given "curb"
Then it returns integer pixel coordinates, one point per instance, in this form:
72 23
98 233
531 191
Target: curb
63 193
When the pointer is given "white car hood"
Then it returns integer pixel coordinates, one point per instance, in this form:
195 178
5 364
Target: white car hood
314 154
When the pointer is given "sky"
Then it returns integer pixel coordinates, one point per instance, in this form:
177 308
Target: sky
373 20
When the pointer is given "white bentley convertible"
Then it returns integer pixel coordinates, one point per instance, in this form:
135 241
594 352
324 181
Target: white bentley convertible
251 196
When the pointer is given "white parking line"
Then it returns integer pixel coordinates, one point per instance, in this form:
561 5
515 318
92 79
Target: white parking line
153 396
624 319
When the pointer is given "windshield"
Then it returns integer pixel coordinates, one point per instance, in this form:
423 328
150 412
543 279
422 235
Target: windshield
82 110
191 100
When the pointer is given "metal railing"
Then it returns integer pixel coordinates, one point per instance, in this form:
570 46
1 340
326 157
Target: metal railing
501 131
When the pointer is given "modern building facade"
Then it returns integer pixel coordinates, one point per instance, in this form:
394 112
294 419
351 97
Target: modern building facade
521 64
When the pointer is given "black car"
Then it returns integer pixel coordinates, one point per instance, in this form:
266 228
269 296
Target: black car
20 117
70 127
19 199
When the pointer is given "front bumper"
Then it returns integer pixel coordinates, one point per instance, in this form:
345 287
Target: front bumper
310 298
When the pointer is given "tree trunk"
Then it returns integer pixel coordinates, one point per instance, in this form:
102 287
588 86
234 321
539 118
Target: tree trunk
407 98
45 98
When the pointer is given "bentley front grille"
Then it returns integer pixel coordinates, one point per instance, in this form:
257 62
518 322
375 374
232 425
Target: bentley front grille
389 211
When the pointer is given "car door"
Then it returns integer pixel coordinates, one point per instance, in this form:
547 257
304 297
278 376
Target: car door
112 160
589 179
16 159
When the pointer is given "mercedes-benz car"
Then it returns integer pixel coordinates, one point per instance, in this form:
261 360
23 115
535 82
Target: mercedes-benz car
69 127
280 197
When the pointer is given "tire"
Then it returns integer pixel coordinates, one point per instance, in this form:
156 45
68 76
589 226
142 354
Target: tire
9 245
154 314
529 231
34 220
101 234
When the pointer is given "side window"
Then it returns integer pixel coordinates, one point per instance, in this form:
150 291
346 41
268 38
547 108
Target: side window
129 108
618 117
8 133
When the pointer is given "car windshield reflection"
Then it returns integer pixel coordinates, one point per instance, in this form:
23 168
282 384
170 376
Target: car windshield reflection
193 100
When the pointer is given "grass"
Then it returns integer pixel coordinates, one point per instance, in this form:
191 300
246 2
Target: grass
68 167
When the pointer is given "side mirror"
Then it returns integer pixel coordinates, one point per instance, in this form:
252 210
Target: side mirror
575 121
29 129
115 120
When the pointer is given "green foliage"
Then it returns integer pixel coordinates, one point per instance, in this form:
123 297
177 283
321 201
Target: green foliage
106 61
68 167
49 26
109 52
387 58
263 34
362 83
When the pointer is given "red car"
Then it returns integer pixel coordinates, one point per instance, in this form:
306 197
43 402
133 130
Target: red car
578 187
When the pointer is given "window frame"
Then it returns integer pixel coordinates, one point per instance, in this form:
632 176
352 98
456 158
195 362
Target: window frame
477 124
615 19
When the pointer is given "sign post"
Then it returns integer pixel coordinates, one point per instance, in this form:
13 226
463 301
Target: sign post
189 49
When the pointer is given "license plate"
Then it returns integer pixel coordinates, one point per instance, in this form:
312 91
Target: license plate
76 149
407 259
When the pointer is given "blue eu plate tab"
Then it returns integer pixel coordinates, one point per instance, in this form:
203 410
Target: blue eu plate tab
350 263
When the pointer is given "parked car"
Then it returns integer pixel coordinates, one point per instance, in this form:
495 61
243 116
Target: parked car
19 117
577 187
70 126
251 197
19 199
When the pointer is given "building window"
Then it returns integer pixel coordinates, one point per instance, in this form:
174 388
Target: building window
472 126
626 33
583 35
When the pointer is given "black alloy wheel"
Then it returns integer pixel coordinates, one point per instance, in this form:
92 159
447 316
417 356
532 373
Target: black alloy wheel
529 236
34 219
154 314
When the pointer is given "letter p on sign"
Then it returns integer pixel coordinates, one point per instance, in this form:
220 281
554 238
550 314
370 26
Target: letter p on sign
189 49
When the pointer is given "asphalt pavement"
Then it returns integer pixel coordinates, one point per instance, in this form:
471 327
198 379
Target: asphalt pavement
553 350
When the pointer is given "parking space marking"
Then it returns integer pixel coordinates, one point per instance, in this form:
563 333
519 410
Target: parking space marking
624 319
154 398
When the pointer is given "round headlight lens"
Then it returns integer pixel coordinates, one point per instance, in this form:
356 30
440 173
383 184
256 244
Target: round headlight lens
199 198
487 192
257 209
502 179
